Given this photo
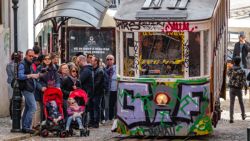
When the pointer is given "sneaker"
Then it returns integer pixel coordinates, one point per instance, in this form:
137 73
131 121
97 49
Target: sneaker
96 125
103 122
244 116
231 121
37 127
28 131
81 127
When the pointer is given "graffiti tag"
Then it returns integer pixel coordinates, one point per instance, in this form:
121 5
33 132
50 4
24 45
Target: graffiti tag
160 131
137 25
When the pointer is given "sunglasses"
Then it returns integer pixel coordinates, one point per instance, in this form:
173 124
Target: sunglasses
109 59
73 71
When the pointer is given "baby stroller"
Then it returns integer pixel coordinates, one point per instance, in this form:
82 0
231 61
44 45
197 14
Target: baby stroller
53 112
81 98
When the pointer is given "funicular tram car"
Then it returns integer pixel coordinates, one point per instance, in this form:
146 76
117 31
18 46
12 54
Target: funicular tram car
171 66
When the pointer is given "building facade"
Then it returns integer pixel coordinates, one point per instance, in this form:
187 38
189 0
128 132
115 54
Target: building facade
239 21
25 40
4 51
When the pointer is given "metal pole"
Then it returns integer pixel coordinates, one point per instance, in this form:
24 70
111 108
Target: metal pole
248 134
34 18
16 99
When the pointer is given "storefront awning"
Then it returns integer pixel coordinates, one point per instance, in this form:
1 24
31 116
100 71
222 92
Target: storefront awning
89 11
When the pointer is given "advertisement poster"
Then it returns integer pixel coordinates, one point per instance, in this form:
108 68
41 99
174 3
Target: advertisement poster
90 40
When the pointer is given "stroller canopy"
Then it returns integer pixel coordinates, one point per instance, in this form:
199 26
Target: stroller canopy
79 94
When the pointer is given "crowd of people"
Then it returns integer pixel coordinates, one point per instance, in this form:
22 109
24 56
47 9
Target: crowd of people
38 72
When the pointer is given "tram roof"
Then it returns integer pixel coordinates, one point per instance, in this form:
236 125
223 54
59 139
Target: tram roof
188 10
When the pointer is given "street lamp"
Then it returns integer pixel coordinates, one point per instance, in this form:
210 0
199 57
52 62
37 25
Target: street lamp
16 99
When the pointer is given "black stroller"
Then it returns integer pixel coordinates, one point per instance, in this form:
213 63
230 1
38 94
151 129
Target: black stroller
54 118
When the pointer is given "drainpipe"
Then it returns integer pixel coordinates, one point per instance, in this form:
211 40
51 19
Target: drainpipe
34 18
10 29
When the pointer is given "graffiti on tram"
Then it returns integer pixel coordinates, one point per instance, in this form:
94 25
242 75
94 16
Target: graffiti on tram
187 111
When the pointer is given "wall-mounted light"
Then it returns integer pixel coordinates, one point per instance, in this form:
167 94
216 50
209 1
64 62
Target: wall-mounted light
161 99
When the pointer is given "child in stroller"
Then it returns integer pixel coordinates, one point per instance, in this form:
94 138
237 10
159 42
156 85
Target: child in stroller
53 112
76 112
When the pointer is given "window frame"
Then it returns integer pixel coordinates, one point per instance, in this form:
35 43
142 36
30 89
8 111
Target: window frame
175 61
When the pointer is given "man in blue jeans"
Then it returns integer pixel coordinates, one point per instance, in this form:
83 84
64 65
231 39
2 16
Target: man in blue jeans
27 86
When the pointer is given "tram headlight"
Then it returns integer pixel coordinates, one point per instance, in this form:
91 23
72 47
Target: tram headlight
162 98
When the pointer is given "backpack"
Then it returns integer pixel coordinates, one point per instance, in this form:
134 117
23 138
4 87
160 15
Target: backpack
21 84
236 78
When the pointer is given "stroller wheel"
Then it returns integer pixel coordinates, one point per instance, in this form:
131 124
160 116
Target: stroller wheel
82 133
44 133
71 132
63 134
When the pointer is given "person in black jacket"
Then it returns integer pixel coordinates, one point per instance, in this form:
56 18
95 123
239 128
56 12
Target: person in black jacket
69 84
86 75
95 101
86 78
241 49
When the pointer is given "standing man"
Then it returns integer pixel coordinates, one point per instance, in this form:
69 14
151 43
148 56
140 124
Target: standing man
237 81
27 86
86 75
38 115
36 61
89 57
111 71
241 49
98 91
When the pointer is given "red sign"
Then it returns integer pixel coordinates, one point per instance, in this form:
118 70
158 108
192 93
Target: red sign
178 26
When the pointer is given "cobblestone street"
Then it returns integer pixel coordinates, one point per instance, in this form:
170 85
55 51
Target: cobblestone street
224 131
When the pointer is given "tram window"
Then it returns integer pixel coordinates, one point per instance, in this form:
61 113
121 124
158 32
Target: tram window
206 53
194 54
161 55
129 54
